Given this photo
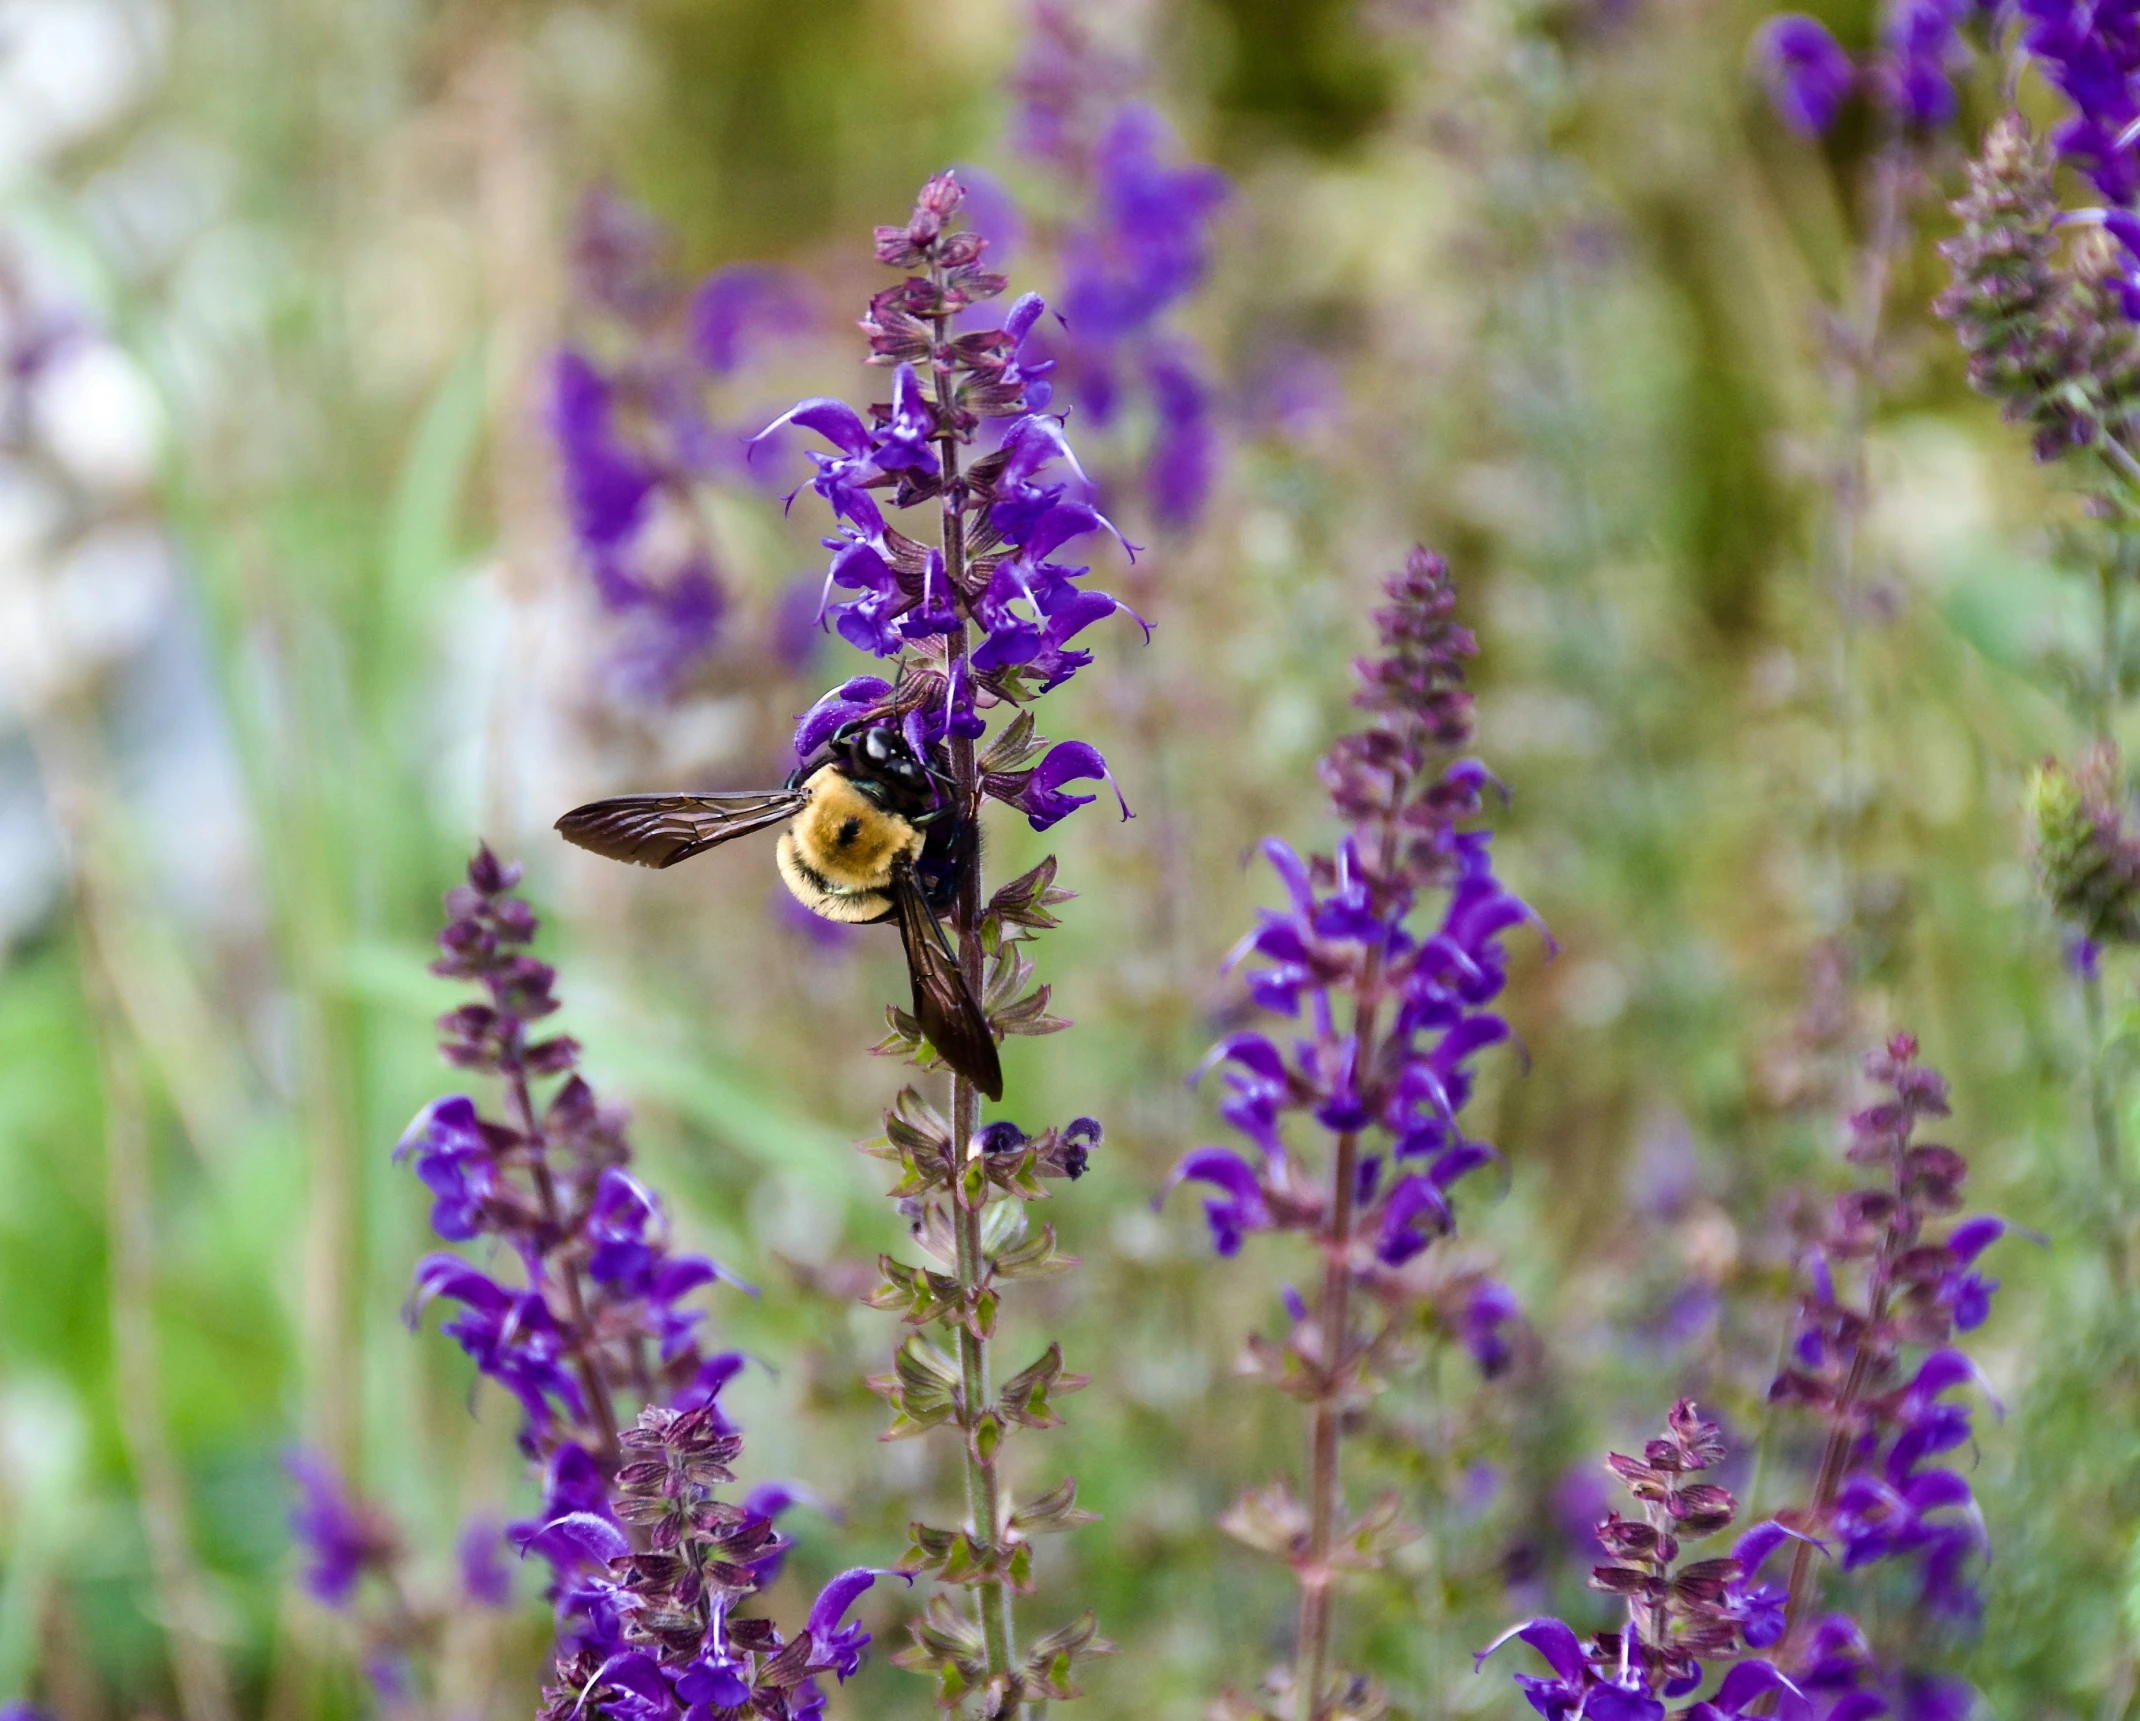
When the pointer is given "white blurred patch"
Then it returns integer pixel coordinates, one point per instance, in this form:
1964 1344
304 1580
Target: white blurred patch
702 733
1595 993
1533 721
43 1435
99 416
161 194
68 67
33 855
1931 511
109 592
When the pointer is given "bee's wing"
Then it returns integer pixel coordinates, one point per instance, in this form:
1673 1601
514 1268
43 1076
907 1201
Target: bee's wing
660 830
944 1004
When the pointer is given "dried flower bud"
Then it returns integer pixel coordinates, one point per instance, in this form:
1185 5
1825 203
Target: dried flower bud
2087 861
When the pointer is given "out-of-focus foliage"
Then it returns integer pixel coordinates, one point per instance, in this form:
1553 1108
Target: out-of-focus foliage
289 619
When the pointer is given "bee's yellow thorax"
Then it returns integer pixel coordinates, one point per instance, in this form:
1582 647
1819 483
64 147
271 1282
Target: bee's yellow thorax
836 857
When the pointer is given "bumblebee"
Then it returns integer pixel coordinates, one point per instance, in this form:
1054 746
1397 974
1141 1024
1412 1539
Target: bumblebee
874 833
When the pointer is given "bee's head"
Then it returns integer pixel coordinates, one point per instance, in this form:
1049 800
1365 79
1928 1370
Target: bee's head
877 753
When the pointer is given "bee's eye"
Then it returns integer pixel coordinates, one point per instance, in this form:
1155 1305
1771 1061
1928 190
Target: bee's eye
877 745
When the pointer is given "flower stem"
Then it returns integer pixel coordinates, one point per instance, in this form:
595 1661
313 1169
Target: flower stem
1835 1452
1856 386
984 1493
1325 1487
584 1363
2110 1169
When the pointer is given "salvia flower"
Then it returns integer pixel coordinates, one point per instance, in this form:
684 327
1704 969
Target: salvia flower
1890 1280
987 617
357 1562
1392 1004
2047 337
1686 1620
343 1538
636 434
594 1312
668 1641
1807 73
1910 74
1019 501
1136 247
2090 53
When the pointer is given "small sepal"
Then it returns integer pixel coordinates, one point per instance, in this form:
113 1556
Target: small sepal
1055 1510
1052 1660
1024 1398
923 1388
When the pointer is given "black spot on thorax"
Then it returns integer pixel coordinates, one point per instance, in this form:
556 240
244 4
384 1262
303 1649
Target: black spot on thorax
848 831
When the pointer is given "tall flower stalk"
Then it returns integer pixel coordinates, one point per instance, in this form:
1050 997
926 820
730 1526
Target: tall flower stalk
1889 1283
650 1568
1889 1280
2049 333
1394 1016
1907 79
980 620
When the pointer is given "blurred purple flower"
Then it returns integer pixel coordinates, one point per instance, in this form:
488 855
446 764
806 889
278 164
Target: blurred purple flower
480 1551
1807 74
341 1536
733 305
1491 1309
1138 248
1921 50
2090 54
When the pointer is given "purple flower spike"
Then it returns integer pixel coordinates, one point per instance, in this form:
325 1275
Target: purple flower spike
734 304
637 413
1807 74
1355 1124
1138 248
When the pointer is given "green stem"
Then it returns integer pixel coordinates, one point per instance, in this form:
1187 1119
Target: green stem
2103 1117
1856 388
1835 1453
1326 1499
984 1491
584 1342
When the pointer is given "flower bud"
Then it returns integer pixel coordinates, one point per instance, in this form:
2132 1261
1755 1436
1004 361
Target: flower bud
2087 863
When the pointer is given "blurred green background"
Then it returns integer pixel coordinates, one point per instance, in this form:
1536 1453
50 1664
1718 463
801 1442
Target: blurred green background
289 618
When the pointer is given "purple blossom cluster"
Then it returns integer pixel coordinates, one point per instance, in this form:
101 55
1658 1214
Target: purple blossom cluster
1876 1495
1910 74
660 1637
343 1538
1391 1018
648 1566
597 1310
2090 52
347 1540
995 621
1885 1284
636 435
1137 247
1419 1000
1679 1617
